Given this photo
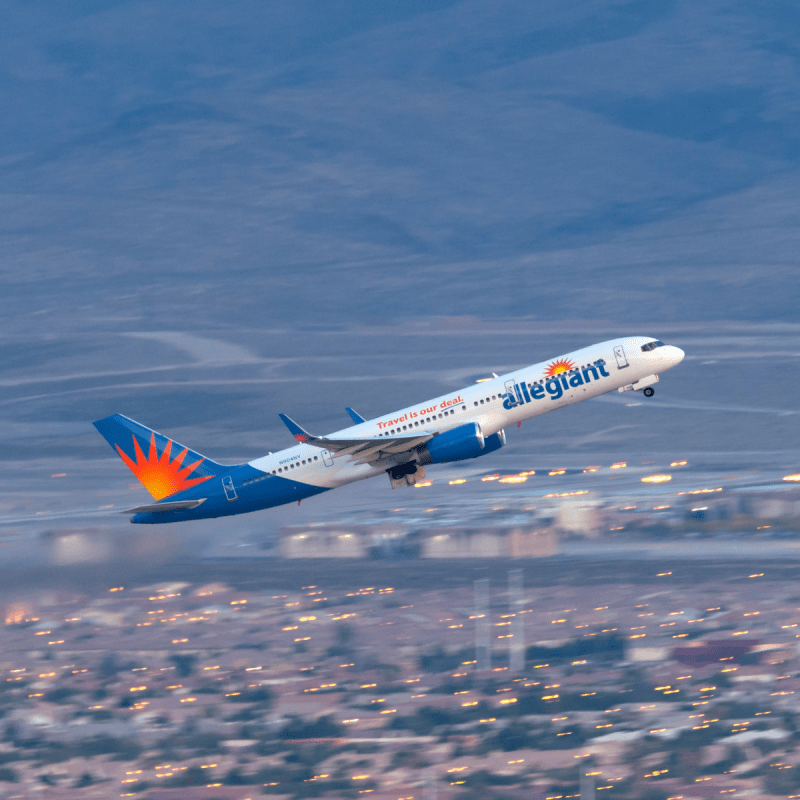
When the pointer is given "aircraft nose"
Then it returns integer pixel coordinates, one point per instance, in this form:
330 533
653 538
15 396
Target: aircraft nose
676 355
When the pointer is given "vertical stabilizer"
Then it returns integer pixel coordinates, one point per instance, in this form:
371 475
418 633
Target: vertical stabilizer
162 465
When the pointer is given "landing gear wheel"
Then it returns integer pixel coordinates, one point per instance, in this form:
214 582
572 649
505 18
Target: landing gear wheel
649 391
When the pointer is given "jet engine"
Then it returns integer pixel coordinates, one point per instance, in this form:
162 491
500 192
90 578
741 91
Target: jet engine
465 441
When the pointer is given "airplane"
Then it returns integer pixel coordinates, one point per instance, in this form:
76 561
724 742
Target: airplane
456 426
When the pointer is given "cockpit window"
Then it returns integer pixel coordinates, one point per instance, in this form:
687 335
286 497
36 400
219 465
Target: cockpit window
652 346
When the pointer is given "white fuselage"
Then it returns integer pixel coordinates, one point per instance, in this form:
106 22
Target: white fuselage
495 404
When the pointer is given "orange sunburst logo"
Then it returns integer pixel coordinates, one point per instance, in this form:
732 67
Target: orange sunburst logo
160 476
564 365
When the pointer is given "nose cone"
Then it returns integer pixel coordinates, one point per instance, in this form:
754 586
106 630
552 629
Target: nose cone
675 355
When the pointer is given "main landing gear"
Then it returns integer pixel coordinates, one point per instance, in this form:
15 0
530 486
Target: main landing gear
405 474
649 391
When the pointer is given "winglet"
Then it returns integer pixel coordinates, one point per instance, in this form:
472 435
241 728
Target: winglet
296 430
357 418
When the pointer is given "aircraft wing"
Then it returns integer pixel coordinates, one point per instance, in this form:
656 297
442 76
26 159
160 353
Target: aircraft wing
362 451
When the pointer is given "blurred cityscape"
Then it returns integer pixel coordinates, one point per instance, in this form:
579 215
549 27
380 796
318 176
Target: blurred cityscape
622 630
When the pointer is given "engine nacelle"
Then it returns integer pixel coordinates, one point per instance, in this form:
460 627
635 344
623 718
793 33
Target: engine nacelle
458 444
494 442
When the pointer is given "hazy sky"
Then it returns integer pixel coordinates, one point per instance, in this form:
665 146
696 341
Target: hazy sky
214 212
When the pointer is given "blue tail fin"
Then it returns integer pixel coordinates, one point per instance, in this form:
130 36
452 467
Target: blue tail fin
161 471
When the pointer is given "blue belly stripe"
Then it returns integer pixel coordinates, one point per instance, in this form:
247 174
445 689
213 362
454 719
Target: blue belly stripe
267 491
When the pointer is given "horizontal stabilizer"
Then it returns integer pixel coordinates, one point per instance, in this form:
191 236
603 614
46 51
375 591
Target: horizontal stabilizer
357 418
161 508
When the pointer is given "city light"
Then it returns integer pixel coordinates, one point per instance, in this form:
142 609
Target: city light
304 678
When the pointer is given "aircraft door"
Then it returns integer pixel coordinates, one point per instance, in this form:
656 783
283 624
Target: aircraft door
327 458
619 354
512 395
227 485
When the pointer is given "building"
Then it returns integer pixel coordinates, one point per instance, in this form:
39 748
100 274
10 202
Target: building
322 540
488 542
